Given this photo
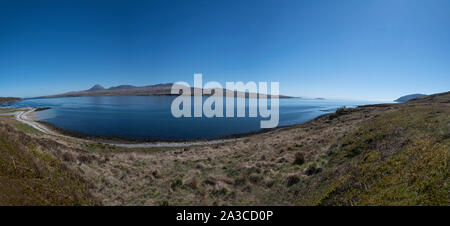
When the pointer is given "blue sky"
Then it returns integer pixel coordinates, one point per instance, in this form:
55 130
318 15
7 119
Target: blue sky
347 49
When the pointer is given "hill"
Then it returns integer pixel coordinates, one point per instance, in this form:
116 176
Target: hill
8 100
406 98
129 90
96 88
30 173
386 154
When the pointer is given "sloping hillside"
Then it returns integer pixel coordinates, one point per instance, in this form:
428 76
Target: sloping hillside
389 154
31 175
398 158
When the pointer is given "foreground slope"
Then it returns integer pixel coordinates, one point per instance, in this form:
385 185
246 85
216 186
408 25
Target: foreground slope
392 154
398 158
31 175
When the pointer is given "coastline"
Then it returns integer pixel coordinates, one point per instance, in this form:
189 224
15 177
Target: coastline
50 129
258 169
114 139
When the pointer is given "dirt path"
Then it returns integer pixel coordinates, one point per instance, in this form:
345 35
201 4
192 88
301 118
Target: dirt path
22 116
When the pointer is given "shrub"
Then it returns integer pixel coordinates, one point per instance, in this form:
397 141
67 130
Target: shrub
86 158
292 179
177 182
155 173
164 203
193 182
313 169
241 180
255 178
299 158
341 111
210 181
270 183
68 157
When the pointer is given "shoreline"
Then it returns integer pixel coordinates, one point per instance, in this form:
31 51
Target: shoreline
115 139
50 129
22 116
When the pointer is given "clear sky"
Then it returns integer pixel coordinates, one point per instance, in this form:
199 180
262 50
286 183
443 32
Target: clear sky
350 49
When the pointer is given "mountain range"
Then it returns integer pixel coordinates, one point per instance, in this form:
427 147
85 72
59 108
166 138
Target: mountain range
129 90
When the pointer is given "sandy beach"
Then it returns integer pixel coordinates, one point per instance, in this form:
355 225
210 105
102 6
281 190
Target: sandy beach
25 116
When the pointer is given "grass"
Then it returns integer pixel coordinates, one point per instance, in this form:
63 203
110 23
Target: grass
373 155
7 110
29 175
9 119
399 158
26 128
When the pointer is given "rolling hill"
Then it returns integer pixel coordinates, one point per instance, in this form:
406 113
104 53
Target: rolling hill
129 90
406 98
384 154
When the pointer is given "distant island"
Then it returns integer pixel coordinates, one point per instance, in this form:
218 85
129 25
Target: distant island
8 100
406 98
129 90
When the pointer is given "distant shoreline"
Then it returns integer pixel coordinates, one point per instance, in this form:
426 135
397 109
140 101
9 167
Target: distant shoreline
155 95
7 101
51 129
156 90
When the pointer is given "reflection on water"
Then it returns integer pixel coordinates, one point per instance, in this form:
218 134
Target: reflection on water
151 118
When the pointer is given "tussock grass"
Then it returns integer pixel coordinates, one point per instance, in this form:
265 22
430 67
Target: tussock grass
29 175
390 154
399 158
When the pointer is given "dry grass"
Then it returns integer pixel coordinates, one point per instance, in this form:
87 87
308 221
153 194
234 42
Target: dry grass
373 155
399 158
30 175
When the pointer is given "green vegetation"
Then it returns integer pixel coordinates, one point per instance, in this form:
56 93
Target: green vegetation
387 154
26 128
7 110
399 158
9 119
8 100
29 175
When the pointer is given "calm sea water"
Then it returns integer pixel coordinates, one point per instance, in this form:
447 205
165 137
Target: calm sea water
151 118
